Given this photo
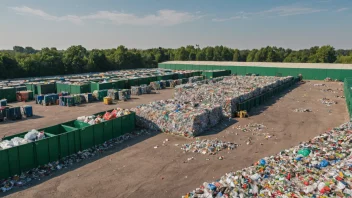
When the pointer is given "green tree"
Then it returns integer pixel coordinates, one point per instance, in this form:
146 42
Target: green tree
182 54
97 61
236 55
200 55
325 54
18 49
75 59
251 56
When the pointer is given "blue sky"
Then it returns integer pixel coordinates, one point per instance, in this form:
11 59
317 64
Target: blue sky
243 24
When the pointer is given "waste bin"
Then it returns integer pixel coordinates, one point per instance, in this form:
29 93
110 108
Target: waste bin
66 135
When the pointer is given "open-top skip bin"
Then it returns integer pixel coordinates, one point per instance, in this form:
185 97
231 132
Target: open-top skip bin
100 86
46 88
66 136
84 139
107 129
27 156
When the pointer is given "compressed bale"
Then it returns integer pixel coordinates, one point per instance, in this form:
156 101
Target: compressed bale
177 118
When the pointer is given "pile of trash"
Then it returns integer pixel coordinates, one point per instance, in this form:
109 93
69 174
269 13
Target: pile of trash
301 110
92 120
327 102
319 85
31 136
228 91
252 127
26 178
320 167
171 116
208 146
96 119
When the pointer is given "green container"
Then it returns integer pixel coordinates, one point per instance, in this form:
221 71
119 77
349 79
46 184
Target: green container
85 138
66 136
100 86
117 127
21 88
80 89
8 93
46 88
5 165
133 82
125 124
25 157
144 81
32 87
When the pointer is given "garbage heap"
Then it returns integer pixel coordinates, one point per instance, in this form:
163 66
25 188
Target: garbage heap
31 136
228 91
177 118
320 167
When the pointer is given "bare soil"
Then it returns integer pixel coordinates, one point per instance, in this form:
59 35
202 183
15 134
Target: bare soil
136 169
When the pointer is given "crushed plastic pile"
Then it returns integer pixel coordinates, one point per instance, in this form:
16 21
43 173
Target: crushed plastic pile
26 178
31 136
208 146
170 116
321 167
228 91
327 102
301 110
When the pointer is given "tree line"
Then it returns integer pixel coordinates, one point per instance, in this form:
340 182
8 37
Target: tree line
29 62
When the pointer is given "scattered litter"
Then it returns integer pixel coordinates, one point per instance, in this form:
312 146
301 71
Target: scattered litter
208 146
252 127
320 167
301 110
318 85
38 173
327 102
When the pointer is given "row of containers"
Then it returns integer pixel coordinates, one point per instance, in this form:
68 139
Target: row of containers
27 91
259 100
61 141
112 83
347 86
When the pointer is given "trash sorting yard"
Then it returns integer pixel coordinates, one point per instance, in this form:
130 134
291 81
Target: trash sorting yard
150 166
318 167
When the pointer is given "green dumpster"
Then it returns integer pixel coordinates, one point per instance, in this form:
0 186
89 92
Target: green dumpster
66 136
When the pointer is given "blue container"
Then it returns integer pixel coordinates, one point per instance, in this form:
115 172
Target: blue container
14 113
27 110
39 99
3 103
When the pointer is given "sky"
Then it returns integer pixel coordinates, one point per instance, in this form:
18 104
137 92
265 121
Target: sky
142 24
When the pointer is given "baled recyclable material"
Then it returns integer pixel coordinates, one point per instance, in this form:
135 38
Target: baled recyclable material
183 119
136 90
227 91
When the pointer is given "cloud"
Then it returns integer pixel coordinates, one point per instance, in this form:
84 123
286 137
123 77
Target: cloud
24 10
276 11
291 10
162 17
240 15
342 9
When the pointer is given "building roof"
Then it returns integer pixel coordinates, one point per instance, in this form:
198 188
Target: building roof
266 64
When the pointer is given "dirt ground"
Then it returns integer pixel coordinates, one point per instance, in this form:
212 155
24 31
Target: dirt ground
136 169
45 116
